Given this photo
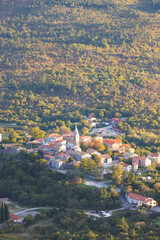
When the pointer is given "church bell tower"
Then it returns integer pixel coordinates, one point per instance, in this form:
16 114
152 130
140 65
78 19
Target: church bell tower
76 137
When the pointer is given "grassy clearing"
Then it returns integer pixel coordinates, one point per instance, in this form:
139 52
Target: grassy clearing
39 210
84 185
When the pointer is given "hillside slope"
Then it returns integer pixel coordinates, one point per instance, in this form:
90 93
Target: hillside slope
99 57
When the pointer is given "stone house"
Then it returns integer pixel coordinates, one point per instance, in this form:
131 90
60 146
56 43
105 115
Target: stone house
141 161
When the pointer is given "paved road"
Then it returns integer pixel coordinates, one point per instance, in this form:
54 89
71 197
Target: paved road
124 200
88 182
93 213
31 211
94 183
97 184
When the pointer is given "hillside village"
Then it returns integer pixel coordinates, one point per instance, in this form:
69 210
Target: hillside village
62 151
67 150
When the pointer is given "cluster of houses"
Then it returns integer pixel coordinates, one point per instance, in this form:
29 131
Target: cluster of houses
110 127
141 161
63 150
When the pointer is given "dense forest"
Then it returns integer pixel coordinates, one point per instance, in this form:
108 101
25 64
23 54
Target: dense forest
30 182
63 59
74 225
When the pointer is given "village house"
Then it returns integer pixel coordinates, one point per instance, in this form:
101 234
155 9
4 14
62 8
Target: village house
126 167
106 158
12 148
53 137
135 166
154 157
112 144
69 165
115 120
32 150
56 163
129 155
136 199
78 156
127 148
93 152
63 156
92 119
70 144
92 124
48 157
85 139
141 161
58 147
67 134
35 143
15 218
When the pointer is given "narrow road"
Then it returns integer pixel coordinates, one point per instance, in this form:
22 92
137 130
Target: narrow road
93 213
31 211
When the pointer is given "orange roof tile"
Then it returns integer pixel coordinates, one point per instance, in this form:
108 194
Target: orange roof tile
138 158
14 217
111 141
139 197
154 154
124 164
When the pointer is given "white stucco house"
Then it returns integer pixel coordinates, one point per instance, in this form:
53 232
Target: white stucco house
126 167
154 157
136 199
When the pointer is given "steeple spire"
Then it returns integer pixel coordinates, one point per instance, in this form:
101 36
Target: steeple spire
76 137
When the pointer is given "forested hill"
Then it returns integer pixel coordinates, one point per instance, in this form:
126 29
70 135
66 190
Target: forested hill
93 56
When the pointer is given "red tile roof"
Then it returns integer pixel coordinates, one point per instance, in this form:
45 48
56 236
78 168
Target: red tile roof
139 197
67 132
139 158
61 154
14 217
124 164
55 135
39 139
111 141
48 156
62 140
154 154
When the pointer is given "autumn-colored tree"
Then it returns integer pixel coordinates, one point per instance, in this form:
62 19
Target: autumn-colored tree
36 133
117 174
96 144
13 136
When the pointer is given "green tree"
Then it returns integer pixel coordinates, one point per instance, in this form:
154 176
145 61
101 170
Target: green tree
28 220
117 174
4 213
13 136
123 226
103 193
36 133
